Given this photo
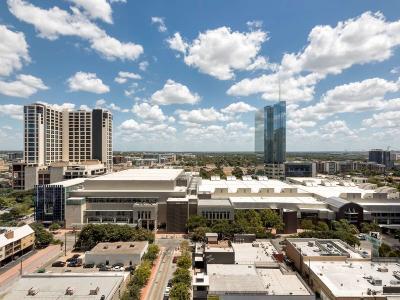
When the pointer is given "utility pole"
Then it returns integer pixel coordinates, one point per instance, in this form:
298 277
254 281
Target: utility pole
20 269
65 243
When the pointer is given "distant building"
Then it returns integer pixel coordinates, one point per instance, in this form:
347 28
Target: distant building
270 138
126 253
93 286
50 200
15 241
300 169
380 156
53 135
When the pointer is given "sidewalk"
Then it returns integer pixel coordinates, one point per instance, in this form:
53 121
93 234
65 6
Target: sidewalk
31 264
154 270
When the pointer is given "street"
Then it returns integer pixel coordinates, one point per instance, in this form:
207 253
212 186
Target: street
166 268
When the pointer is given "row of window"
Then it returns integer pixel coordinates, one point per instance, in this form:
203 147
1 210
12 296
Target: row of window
216 215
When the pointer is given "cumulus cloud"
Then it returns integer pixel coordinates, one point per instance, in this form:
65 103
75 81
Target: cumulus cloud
124 76
199 116
55 22
174 93
101 103
160 23
367 38
151 113
87 82
12 110
23 86
132 130
96 9
388 119
238 107
13 51
220 52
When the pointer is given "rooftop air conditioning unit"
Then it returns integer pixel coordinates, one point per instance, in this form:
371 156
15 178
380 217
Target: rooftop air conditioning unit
95 291
383 269
69 291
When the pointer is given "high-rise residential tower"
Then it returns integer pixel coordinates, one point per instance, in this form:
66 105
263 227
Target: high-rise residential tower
270 138
53 135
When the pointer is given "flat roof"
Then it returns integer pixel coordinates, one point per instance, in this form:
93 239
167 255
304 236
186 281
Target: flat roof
282 200
332 191
352 278
256 252
234 278
119 247
214 202
54 286
19 233
280 283
142 174
69 182
321 247
209 186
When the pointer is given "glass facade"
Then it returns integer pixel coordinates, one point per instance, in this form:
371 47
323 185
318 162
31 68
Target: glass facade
270 133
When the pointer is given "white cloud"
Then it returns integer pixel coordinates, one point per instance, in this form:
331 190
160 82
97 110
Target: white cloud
235 126
54 22
336 129
293 88
202 115
254 25
367 38
150 113
238 107
160 23
261 63
124 76
13 51
143 65
131 130
87 82
23 87
395 70
365 95
389 119
96 9
174 93
220 52
101 103
177 43
12 110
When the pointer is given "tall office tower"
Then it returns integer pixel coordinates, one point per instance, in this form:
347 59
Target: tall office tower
102 137
42 134
270 138
380 156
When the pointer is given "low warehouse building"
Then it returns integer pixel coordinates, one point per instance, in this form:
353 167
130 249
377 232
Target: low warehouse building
126 253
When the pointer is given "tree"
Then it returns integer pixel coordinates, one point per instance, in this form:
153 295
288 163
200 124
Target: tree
367 227
42 237
182 275
179 291
204 174
322 226
237 172
54 227
152 252
195 221
384 250
184 261
307 224
271 219
142 273
199 234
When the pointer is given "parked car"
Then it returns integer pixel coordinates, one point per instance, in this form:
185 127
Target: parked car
74 264
167 291
118 265
117 268
174 260
104 268
169 284
59 263
129 268
73 258
87 266
100 265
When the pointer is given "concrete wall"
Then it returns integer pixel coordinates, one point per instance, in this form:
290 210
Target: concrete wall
74 214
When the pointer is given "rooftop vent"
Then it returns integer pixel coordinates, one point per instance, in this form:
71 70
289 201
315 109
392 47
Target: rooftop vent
118 246
131 245
95 291
69 291
105 247
33 291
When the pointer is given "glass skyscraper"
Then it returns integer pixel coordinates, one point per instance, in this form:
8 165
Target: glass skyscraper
270 134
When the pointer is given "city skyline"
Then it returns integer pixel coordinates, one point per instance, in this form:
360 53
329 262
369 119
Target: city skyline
182 79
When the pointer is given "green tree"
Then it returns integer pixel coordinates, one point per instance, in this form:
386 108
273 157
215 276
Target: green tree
142 273
307 224
152 252
182 275
270 218
42 237
179 291
184 261
384 250
54 227
199 234
322 226
237 172
195 221
372 226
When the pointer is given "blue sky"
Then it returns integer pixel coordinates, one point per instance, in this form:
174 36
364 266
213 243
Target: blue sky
188 75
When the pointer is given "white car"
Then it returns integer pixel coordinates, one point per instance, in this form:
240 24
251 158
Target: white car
167 290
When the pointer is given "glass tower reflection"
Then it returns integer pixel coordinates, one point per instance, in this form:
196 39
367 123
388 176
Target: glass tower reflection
270 134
